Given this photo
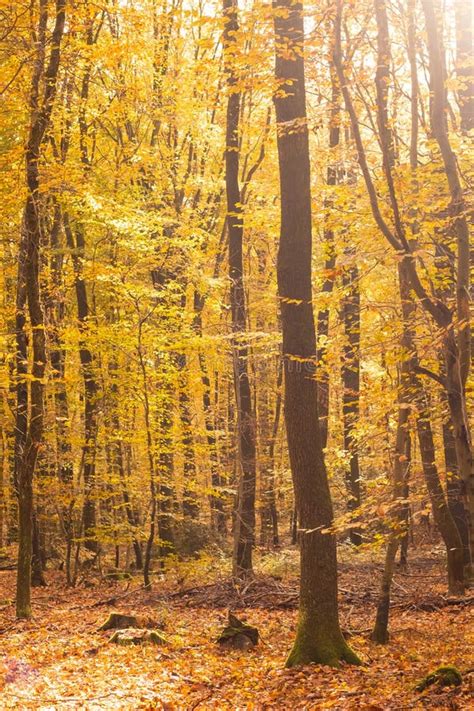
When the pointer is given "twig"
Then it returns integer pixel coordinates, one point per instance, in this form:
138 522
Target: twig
199 701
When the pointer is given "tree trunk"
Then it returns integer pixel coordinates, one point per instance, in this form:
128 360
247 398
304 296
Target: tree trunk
244 530
190 498
218 517
441 512
37 577
454 487
166 494
399 476
29 280
76 244
329 264
55 314
351 384
318 638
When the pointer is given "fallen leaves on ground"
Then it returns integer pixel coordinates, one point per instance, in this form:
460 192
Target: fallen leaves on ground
62 660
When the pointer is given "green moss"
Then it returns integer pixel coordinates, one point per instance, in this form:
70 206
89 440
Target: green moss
442 676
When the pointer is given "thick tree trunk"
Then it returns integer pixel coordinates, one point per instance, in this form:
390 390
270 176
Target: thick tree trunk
319 638
244 528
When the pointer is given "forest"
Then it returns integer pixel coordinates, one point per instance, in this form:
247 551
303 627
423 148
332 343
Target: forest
236 393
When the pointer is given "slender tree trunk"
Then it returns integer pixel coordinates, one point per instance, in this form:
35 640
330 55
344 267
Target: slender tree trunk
29 281
119 464
272 499
318 638
24 489
166 497
351 384
399 476
55 314
151 462
441 512
218 517
332 176
190 498
244 530
91 389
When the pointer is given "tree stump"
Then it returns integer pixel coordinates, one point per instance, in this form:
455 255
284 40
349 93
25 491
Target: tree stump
238 635
117 621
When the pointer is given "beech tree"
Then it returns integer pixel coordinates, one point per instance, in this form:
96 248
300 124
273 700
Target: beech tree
319 638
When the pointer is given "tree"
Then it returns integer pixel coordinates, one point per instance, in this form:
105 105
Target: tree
245 509
318 638
30 416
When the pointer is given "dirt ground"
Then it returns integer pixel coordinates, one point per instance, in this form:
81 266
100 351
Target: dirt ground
60 660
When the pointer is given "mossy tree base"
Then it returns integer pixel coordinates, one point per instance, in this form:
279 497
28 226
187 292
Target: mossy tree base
316 649
24 613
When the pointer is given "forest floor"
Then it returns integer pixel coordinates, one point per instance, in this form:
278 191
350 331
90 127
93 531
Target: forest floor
60 659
